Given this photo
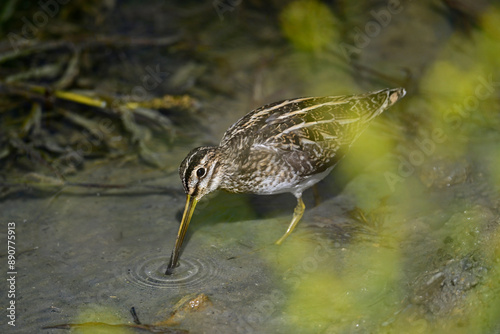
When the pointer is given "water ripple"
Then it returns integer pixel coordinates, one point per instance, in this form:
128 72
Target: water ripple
192 271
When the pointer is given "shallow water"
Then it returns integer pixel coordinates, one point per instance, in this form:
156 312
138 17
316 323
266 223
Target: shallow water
88 256
404 237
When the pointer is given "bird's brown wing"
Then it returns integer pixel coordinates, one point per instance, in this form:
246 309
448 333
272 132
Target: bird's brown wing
310 133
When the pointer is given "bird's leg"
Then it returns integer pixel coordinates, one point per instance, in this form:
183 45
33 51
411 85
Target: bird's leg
297 214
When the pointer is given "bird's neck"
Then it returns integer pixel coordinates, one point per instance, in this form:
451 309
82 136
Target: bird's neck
226 170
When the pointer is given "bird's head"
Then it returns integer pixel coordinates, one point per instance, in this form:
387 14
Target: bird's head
201 174
200 171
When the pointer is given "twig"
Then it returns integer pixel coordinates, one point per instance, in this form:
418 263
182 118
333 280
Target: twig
149 328
134 315
84 43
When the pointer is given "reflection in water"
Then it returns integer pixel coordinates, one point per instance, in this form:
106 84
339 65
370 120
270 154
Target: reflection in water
192 271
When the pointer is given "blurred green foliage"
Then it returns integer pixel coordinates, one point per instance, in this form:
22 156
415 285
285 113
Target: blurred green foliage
309 25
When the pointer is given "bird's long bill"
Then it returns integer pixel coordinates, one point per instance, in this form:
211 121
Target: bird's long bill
186 218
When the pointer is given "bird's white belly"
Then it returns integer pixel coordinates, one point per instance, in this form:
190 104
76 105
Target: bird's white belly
272 185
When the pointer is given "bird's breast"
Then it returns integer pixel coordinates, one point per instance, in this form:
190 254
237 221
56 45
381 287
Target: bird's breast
269 172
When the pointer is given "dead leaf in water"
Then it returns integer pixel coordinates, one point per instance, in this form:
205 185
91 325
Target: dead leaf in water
185 306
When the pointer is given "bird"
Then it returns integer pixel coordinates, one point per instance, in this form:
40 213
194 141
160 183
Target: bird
285 146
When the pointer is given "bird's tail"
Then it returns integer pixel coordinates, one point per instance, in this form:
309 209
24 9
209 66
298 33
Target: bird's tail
382 100
394 95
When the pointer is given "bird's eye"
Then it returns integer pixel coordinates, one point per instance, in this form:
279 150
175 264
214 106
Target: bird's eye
200 172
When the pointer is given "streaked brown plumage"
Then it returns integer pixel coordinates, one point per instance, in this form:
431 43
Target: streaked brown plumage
285 146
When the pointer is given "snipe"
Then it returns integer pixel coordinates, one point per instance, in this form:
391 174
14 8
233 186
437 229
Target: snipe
286 146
